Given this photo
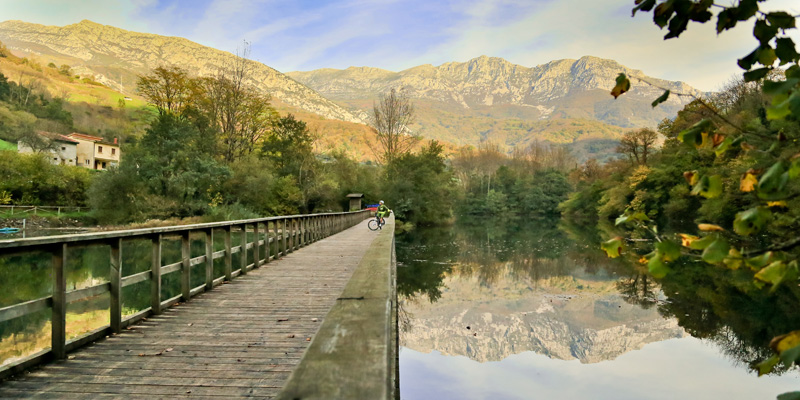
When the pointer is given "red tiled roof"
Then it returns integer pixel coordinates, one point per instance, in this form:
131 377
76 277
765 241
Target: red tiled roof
56 136
85 137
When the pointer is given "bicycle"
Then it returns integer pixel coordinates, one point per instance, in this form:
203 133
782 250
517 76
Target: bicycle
376 223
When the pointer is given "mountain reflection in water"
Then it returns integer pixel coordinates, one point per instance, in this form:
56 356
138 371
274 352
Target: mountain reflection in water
478 300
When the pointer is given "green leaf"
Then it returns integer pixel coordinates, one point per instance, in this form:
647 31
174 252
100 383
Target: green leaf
723 147
786 51
756 74
790 356
789 396
613 247
694 135
772 273
780 87
656 267
766 55
764 32
751 221
781 20
660 99
772 185
725 20
767 365
760 261
716 252
746 9
794 169
643 5
747 61
622 86
663 12
628 216
677 25
668 250
708 187
701 244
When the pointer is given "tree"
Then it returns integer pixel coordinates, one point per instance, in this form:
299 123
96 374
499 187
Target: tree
638 144
759 233
167 88
391 117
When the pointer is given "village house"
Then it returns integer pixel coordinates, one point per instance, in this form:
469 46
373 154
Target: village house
61 150
94 152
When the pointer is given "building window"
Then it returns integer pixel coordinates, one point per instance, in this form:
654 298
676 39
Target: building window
63 148
113 151
103 165
99 149
55 159
87 162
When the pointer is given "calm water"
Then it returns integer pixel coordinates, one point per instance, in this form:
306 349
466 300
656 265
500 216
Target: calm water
504 311
28 276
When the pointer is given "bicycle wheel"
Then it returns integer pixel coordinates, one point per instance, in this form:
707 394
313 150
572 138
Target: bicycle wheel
372 224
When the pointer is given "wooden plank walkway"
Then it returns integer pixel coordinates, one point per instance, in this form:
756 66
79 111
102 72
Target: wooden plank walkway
240 340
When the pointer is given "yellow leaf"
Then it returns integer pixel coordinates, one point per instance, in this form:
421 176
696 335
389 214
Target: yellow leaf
686 240
781 203
785 342
748 182
747 147
734 259
643 260
709 227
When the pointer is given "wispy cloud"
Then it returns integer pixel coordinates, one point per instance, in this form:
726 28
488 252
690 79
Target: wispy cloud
395 34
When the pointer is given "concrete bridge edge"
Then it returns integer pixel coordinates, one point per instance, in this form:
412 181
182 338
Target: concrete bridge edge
354 355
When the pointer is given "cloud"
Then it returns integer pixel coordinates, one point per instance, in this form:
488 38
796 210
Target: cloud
395 35
574 28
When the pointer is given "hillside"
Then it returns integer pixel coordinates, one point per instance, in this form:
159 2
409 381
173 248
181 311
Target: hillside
116 56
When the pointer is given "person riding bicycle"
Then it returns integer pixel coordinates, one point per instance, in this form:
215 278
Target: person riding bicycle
382 212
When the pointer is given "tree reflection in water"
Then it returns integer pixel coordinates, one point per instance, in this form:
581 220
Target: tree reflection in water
716 304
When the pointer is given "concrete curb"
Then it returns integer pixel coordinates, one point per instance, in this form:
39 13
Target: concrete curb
354 353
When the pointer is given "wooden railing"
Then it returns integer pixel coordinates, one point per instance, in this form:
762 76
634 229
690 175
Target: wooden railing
285 234
10 210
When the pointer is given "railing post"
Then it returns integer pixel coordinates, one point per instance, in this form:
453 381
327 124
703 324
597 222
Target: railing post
209 259
59 317
303 232
256 255
115 281
293 228
228 255
267 245
283 236
243 253
186 251
155 276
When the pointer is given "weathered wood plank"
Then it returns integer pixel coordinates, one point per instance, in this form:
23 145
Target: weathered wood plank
233 341
18 310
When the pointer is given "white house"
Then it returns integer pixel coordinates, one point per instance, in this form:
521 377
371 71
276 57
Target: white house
63 150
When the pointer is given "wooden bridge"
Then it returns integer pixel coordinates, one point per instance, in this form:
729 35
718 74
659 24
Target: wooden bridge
308 312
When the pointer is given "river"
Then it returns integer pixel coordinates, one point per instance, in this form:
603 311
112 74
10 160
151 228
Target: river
535 310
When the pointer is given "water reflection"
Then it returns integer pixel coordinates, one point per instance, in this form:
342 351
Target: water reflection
488 293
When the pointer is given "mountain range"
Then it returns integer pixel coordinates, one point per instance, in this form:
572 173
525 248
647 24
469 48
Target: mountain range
463 103
491 322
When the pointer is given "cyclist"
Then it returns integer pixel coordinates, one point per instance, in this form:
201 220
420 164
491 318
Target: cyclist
382 212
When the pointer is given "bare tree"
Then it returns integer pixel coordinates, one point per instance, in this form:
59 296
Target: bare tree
391 117
242 115
638 144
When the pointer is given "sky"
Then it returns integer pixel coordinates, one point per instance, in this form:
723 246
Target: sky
302 35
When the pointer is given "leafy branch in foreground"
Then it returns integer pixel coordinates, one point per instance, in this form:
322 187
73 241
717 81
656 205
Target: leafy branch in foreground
757 237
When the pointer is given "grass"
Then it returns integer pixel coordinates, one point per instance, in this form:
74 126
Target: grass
7 145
